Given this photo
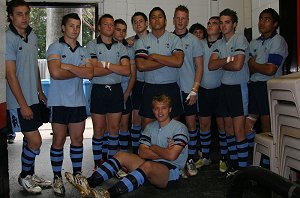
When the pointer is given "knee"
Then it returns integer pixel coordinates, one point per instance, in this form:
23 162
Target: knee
146 167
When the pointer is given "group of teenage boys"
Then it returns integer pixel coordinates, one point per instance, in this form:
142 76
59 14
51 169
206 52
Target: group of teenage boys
156 76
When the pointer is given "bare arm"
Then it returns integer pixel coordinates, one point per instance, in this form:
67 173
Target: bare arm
237 63
234 63
146 153
147 64
41 95
55 68
15 87
198 76
268 69
122 69
132 80
99 69
175 60
171 153
82 71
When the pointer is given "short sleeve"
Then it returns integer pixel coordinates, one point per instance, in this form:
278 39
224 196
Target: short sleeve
241 45
54 48
145 136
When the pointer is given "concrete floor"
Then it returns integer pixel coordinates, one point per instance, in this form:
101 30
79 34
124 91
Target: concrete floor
209 183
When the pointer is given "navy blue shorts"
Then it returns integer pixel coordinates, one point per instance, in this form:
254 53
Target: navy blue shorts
233 100
127 106
151 90
208 100
17 123
188 109
258 98
107 99
66 115
136 94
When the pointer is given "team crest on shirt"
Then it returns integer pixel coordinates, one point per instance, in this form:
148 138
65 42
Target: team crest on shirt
82 57
186 46
148 47
63 56
167 45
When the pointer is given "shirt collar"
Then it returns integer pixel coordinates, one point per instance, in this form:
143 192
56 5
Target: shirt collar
62 40
14 30
271 36
99 40
181 35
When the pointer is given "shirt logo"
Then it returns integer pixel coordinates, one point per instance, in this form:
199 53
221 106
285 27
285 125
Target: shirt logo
63 56
167 45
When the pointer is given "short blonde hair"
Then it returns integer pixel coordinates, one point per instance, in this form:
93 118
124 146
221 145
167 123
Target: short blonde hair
163 98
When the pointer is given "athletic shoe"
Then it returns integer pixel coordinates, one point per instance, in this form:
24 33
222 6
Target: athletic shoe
29 185
58 187
120 174
202 162
100 193
184 173
191 168
41 182
79 182
223 166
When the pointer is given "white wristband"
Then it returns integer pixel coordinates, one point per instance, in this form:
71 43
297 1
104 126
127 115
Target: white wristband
232 58
228 59
108 64
103 63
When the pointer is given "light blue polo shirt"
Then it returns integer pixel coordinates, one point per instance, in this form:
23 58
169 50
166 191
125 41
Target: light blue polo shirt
270 50
112 53
174 130
24 51
210 79
237 44
67 92
192 48
164 45
131 53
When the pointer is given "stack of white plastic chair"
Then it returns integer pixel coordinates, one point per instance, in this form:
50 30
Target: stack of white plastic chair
284 103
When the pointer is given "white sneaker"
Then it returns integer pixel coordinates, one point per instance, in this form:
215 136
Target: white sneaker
184 173
191 168
79 182
120 174
58 187
41 182
223 166
29 185
202 162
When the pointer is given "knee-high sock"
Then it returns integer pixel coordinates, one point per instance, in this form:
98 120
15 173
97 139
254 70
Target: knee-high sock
242 150
105 146
232 150
113 142
123 140
104 172
205 137
25 143
250 137
28 158
56 157
192 144
135 138
97 150
129 183
76 155
223 145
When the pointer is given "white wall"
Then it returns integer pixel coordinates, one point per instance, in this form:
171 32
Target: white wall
257 7
2 50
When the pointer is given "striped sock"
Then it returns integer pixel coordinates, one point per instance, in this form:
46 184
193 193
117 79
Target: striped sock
135 138
123 140
129 183
25 143
104 172
265 162
223 145
250 137
232 150
113 142
28 159
56 157
242 151
97 150
205 138
105 146
192 144
76 155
